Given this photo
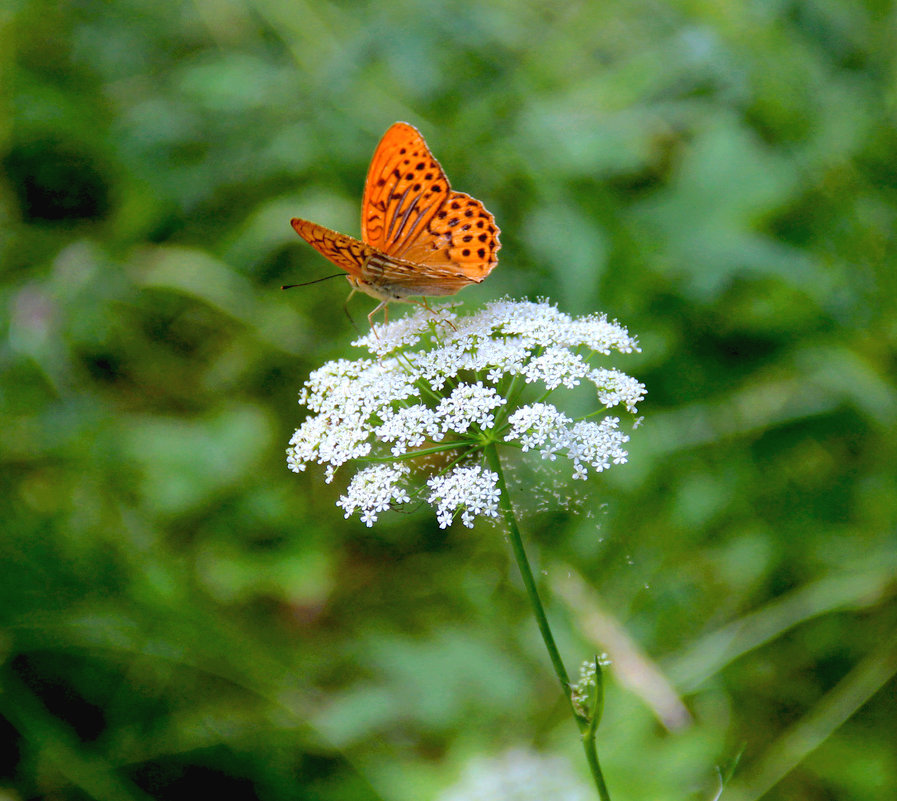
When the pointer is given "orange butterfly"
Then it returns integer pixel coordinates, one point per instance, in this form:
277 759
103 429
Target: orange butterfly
418 237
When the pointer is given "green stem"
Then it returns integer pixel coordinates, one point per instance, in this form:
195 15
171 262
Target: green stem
454 445
591 750
587 732
526 574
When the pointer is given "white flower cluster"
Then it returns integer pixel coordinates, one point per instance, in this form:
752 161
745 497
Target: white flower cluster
542 426
373 490
472 490
440 382
518 775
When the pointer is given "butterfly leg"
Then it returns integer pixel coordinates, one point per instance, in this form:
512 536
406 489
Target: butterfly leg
424 305
383 305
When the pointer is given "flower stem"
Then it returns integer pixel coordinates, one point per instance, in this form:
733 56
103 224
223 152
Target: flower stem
587 732
526 574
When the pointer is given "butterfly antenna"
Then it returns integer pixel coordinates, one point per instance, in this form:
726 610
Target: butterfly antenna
316 281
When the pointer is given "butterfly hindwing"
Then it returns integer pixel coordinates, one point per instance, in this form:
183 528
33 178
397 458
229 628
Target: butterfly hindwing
399 279
462 234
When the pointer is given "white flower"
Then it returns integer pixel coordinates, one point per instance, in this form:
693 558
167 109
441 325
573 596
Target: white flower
468 404
616 388
518 775
539 425
374 490
404 331
439 381
597 444
542 324
601 336
542 426
470 490
328 441
556 366
409 426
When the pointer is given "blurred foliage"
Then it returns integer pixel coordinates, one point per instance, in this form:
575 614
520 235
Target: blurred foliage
181 616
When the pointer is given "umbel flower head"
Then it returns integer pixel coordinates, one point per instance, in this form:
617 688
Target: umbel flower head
415 416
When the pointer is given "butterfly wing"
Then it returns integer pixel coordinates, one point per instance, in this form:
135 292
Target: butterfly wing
344 251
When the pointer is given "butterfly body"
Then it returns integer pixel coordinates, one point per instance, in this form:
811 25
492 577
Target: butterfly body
419 238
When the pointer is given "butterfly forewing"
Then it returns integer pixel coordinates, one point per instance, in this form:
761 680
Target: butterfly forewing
405 188
344 251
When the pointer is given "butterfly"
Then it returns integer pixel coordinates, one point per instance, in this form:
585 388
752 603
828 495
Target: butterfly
418 236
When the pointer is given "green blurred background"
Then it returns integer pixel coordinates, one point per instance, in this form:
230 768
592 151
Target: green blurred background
182 617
